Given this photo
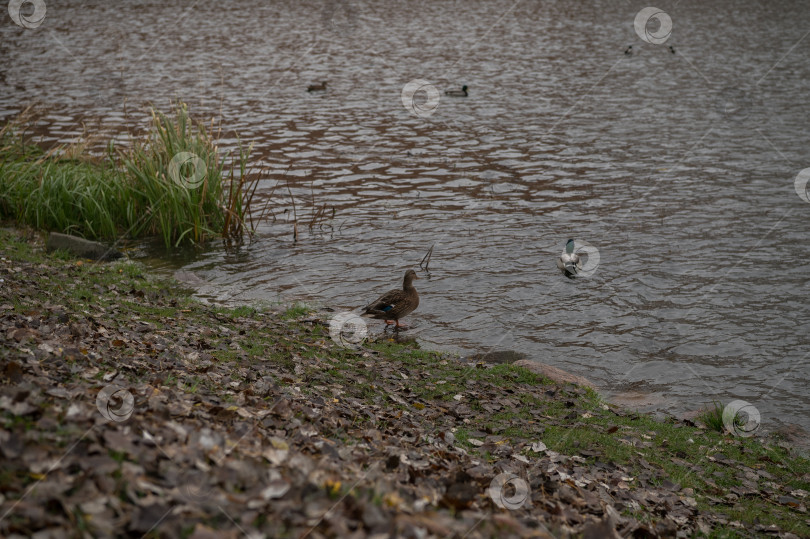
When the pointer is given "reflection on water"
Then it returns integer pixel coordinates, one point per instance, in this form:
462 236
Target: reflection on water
678 167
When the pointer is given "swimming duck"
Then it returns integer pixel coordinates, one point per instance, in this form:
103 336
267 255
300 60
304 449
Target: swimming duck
672 49
395 304
629 50
457 93
317 87
569 262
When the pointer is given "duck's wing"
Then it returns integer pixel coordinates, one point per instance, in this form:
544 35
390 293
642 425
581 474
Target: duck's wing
569 264
385 303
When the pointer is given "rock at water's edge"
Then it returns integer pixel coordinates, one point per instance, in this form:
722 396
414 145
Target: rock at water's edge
794 436
504 356
553 373
81 247
639 400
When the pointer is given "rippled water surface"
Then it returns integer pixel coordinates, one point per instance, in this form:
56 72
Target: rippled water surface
679 167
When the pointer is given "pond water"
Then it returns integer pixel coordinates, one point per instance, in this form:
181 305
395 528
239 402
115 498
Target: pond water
678 167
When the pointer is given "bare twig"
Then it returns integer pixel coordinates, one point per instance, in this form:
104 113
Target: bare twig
426 260
295 213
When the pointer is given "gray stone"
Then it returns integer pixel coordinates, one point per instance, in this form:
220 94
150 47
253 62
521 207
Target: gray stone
502 356
553 373
81 247
795 436
639 400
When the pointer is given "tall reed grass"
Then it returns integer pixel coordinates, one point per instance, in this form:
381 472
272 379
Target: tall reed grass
173 183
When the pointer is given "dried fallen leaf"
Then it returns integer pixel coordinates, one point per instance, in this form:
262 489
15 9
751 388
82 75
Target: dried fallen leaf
275 489
539 447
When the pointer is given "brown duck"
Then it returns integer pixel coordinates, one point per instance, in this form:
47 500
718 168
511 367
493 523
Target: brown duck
395 304
317 87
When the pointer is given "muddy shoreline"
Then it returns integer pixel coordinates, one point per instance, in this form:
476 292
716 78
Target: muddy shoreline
126 407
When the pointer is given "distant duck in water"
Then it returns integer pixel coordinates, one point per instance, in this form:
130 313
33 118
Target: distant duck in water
457 93
317 87
569 262
672 49
395 304
629 51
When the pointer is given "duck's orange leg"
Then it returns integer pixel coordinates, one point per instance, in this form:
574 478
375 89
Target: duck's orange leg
389 322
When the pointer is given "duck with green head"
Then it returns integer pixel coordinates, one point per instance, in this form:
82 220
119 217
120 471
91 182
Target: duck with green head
569 262
395 304
457 93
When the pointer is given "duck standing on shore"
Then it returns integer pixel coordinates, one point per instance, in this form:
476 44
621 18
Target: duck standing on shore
317 87
569 262
457 93
396 303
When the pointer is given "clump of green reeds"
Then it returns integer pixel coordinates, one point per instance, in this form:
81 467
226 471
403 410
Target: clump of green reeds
713 417
58 194
195 199
173 183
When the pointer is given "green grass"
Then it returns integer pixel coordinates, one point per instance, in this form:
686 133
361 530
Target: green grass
147 190
683 454
713 417
296 311
236 312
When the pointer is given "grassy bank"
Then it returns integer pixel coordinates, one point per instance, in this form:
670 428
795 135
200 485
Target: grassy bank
254 420
171 183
